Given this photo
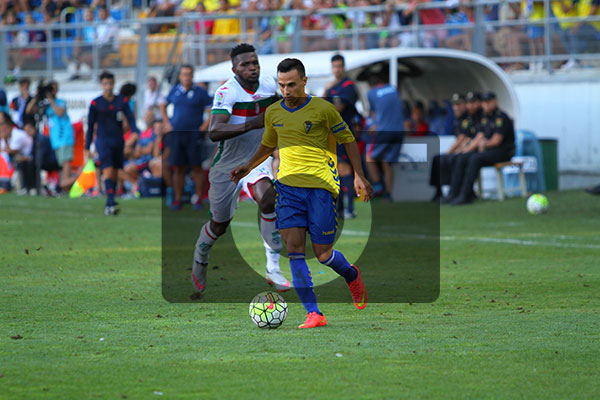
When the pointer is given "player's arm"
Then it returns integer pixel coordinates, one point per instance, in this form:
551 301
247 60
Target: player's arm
163 112
262 153
220 128
130 118
343 134
89 135
361 184
266 148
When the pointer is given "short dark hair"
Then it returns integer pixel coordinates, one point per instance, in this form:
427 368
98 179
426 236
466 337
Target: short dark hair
28 121
128 90
188 66
152 78
375 79
24 80
106 75
241 49
292 63
338 57
6 117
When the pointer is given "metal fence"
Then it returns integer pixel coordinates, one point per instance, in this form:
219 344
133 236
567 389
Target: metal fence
515 40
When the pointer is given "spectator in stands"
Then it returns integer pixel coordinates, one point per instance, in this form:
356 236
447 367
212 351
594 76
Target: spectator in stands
533 10
387 132
153 98
16 5
418 126
507 39
18 105
35 36
432 16
563 9
18 40
107 35
62 136
495 144
83 51
587 33
156 164
19 146
140 154
185 138
265 45
24 159
587 9
3 101
458 38
441 166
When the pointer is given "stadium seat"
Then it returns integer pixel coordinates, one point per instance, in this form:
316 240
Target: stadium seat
500 179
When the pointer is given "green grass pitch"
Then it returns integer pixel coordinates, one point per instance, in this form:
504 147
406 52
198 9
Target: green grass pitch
82 314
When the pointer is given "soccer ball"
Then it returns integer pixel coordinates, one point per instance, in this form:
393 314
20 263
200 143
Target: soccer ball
537 204
268 310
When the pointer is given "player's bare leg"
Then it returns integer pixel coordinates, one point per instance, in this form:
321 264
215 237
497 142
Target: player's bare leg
388 176
264 195
374 174
199 183
209 233
178 183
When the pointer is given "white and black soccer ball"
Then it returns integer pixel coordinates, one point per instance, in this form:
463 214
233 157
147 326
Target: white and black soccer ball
537 204
268 310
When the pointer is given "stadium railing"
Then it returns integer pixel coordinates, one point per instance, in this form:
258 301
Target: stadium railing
505 42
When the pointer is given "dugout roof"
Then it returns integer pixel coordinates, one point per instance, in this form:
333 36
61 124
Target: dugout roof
422 74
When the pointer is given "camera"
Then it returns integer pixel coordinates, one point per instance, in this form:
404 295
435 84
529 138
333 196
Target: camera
43 90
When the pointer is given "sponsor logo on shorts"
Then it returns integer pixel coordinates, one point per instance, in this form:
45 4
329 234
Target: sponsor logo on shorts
328 232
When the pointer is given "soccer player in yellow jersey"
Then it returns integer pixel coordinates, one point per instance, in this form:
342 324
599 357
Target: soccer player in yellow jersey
305 129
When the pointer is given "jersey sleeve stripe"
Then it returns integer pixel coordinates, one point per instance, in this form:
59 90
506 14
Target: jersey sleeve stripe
219 111
341 128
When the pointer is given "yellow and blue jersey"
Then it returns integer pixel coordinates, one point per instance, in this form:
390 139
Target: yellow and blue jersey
306 137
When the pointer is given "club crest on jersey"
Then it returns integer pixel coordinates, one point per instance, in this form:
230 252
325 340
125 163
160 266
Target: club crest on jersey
307 126
190 94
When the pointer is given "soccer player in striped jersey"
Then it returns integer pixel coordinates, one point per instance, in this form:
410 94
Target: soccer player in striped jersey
237 122
306 129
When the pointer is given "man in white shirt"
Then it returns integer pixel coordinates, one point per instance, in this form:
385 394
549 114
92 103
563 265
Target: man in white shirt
153 99
18 146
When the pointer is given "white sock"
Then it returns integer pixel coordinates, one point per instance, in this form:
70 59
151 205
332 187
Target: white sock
272 240
272 259
269 232
204 243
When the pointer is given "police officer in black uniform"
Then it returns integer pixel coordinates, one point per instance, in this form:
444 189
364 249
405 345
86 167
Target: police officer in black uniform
442 163
495 143
470 127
